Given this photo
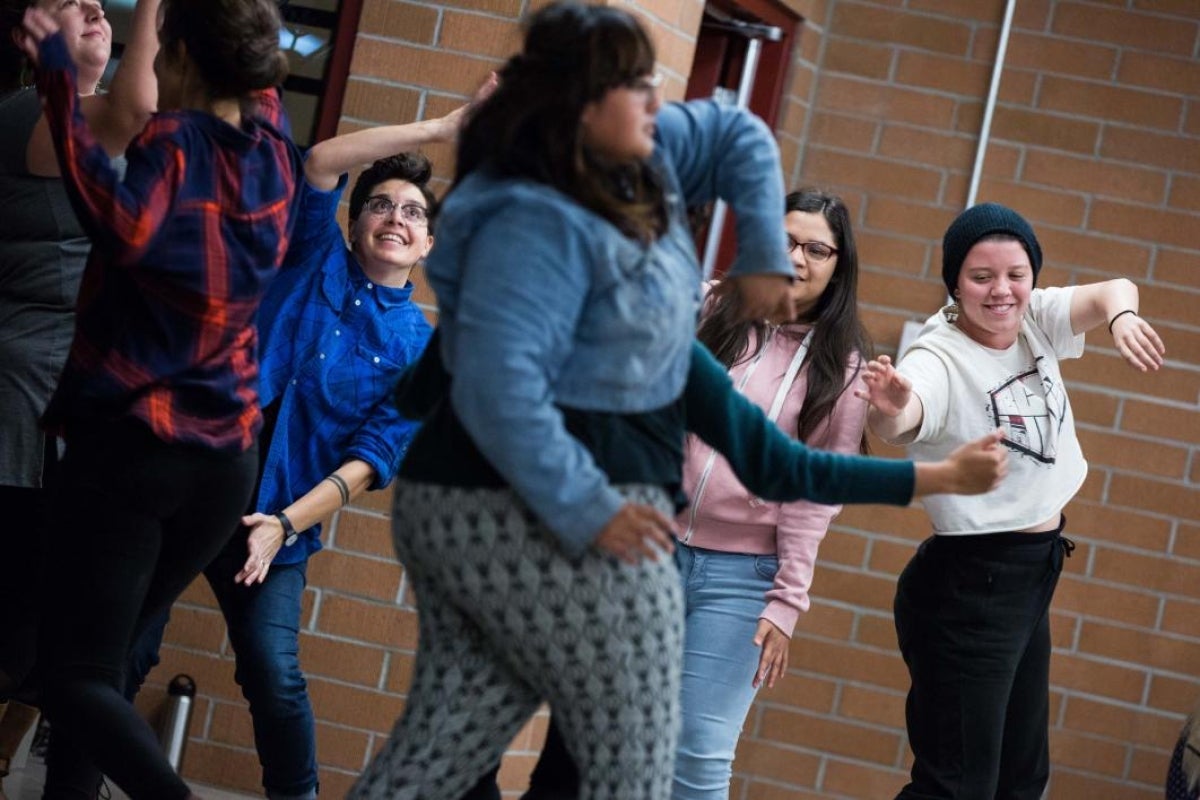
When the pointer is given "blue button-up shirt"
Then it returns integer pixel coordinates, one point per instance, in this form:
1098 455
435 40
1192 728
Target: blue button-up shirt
333 344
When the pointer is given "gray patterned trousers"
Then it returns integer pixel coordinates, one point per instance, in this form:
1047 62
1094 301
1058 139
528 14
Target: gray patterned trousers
507 621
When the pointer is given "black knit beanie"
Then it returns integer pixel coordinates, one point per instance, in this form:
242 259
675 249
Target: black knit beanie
974 224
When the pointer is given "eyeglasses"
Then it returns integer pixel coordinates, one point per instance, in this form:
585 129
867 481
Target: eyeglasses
646 84
816 252
381 205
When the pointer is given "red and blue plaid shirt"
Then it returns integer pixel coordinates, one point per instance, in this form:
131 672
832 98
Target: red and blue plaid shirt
182 250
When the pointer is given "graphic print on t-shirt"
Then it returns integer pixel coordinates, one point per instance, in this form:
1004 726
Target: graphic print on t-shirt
1030 407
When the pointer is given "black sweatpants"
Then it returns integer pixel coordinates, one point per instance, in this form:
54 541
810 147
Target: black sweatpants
972 619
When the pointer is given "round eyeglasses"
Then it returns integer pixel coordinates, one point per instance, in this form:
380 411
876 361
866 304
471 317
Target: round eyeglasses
816 252
381 205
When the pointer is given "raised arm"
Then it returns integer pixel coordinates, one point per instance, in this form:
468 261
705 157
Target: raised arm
122 215
1115 304
329 159
133 94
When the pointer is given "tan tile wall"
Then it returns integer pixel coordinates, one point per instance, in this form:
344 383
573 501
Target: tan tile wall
1097 140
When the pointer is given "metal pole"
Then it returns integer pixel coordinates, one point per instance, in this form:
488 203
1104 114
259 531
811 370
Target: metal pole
716 225
990 107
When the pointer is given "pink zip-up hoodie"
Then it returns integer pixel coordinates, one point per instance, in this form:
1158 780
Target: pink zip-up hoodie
725 516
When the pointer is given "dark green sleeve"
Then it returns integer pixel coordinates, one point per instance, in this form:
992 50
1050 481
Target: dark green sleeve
770 463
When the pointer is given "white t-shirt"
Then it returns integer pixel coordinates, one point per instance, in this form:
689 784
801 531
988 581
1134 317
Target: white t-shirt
968 390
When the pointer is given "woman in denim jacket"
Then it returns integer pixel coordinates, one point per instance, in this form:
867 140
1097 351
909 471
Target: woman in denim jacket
534 505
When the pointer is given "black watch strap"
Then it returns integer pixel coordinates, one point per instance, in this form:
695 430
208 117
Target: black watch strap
289 531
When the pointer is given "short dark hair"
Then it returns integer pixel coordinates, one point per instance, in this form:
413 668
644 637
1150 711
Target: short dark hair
233 43
411 167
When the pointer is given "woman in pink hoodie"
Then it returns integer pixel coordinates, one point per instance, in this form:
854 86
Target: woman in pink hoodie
747 564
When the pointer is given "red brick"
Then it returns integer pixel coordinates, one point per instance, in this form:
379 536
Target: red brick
1158 419
876 630
1155 71
1151 458
1169 693
341 660
857 588
1149 766
1041 53
800 691
1125 28
926 147
1182 617
942 73
844 132
352 573
1105 524
479 35
354 706
1058 132
920 31
387 625
228 767
1094 408
898 292
1077 593
1094 677
1108 102
1090 753
824 619
1068 785
1177 267
1099 369
766 759
855 779
858 58
894 215
1118 722
1094 251
1167 653
1158 496
830 735
850 663
1035 203
437 69
363 533
880 175
910 522
1150 148
1094 176
879 101
1179 8
893 253
396 20
871 705
380 103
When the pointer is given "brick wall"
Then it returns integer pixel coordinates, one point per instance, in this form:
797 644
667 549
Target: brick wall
1097 140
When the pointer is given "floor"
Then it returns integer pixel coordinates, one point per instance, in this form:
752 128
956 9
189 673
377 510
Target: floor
26 784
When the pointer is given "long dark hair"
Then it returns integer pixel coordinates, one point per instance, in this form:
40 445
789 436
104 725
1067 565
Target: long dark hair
837 331
233 43
529 127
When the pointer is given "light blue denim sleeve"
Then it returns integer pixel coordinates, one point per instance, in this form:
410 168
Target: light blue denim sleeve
525 281
722 152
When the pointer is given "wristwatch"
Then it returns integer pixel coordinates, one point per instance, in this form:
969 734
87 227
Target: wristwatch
289 531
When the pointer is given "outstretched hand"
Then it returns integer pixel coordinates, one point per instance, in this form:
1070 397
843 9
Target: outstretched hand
887 390
36 26
635 532
266 537
1138 342
979 466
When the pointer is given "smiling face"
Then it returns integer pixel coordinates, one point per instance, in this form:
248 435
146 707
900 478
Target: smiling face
87 32
388 245
993 292
812 276
620 125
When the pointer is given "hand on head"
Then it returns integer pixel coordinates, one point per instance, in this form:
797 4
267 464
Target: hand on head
1137 342
636 532
36 26
887 390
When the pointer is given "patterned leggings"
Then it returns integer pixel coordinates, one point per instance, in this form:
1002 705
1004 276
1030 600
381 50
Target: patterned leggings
507 621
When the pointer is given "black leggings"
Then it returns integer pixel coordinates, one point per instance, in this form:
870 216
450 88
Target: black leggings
554 778
135 521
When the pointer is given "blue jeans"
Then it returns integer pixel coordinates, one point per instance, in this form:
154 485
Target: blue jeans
264 627
723 598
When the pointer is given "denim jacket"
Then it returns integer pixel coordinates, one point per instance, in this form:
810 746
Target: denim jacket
544 304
